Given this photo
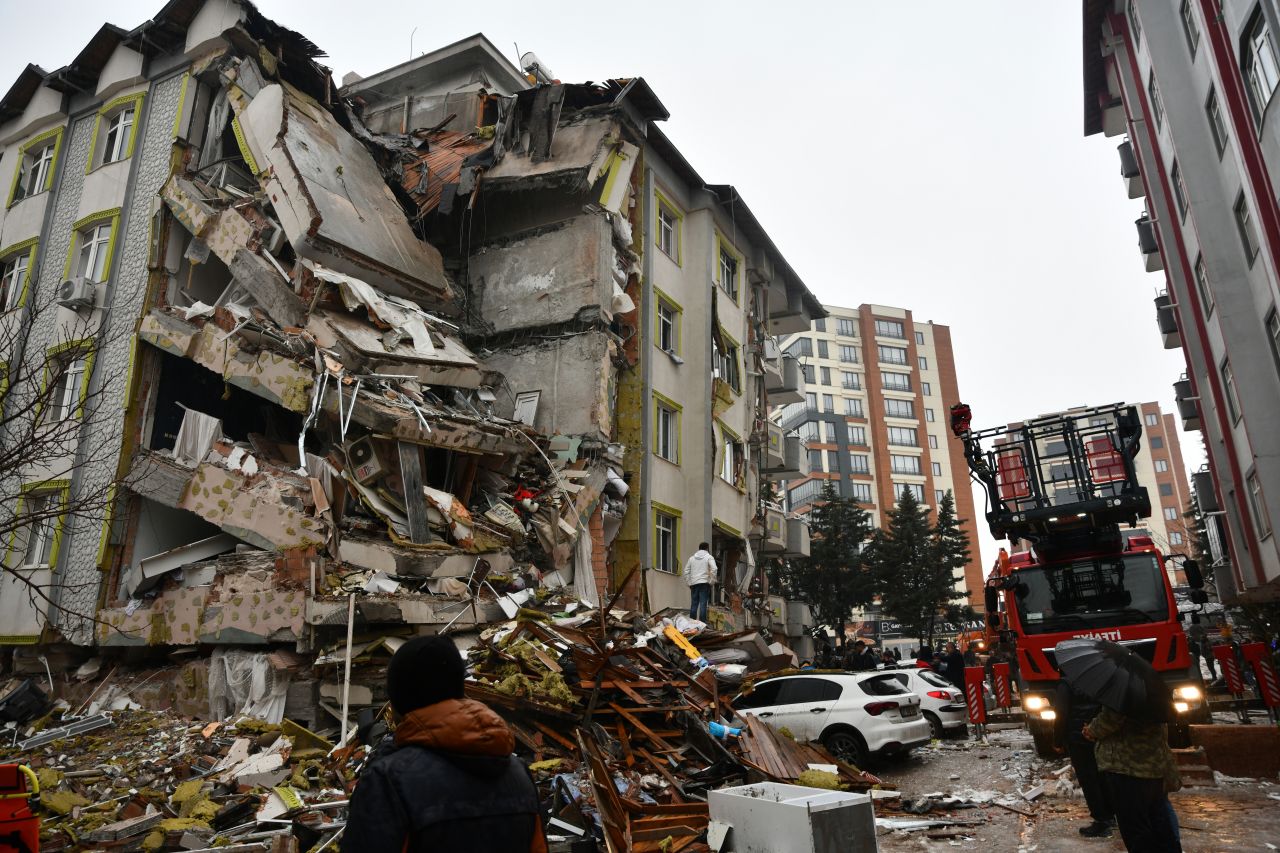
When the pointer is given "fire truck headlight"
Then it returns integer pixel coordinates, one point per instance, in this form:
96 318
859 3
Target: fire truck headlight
1181 707
1036 703
1048 714
1190 692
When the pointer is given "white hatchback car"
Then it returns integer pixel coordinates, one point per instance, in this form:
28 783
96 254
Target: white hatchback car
941 701
855 715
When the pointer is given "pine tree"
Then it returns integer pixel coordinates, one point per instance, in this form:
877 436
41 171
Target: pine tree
912 562
833 580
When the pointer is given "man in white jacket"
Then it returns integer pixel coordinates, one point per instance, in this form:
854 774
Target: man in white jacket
700 572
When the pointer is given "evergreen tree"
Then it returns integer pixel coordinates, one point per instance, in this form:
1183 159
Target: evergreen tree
912 563
833 580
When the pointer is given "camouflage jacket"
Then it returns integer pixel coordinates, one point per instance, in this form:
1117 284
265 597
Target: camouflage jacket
1132 748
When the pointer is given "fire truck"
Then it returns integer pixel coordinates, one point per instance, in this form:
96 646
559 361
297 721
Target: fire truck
1064 491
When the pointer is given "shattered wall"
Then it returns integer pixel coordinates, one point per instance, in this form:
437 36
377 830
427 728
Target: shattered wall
575 377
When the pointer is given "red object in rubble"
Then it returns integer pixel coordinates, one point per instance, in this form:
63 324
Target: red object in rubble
1264 669
19 827
973 694
1226 657
1000 675
961 415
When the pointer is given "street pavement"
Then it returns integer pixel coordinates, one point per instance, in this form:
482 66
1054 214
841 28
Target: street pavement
1239 815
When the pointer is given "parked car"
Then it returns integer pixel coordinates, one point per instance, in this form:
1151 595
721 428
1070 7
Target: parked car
855 715
941 702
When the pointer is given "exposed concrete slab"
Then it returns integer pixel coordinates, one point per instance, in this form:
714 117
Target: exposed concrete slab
576 377
270 375
381 556
546 277
575 150
331 199
250 508
331 610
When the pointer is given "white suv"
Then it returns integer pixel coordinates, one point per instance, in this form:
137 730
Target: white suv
855 715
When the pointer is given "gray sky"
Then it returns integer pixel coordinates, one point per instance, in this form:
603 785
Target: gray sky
927 155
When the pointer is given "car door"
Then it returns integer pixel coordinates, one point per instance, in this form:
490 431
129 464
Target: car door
804 704
760 700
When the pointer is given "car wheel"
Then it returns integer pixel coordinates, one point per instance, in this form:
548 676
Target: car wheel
935 726
847 745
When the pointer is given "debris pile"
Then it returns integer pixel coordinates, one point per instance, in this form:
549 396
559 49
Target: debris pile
626 729
139 780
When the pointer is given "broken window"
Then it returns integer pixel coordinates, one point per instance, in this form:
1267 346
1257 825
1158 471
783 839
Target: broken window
39 550
729 273
68 379
666 543
668 327
668 432
726 360
732 458
35 172
13 278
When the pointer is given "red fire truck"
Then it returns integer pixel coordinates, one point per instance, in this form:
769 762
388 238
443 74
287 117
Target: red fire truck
1061 488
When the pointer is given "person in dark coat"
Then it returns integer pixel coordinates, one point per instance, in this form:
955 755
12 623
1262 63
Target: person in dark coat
954 661
449 781
1139 772
1074 711
860 659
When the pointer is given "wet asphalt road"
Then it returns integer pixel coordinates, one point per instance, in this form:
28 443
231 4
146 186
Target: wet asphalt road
1243 816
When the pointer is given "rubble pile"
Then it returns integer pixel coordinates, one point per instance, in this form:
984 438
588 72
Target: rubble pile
140 780
627 725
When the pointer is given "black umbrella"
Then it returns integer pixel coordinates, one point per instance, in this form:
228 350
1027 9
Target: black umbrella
1114 677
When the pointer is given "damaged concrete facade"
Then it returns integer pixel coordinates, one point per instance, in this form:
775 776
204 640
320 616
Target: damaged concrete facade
326 405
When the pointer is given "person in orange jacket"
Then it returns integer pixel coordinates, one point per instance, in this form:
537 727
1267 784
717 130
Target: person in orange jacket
450 780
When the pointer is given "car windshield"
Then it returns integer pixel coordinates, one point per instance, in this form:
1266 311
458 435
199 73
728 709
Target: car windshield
1090 594
883 685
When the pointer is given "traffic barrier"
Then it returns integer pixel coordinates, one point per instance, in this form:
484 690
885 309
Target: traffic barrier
1226 657
1264 669
973 695
1000 678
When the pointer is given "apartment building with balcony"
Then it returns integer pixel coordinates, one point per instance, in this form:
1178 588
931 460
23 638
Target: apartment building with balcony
874 417
1188 87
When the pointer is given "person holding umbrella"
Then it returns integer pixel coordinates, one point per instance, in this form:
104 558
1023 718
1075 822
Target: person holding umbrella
1131 739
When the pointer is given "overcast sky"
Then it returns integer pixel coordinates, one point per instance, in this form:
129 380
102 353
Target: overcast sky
927 155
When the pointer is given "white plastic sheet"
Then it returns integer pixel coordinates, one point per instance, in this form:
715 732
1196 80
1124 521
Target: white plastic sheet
245 683
195 437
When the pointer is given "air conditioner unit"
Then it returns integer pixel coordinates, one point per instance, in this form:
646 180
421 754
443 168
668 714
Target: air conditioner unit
364 459
76 293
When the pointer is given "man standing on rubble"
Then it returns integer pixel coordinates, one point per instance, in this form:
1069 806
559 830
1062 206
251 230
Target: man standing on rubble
700 572
451 781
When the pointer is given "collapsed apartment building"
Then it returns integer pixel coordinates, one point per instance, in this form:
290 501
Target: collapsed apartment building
381 359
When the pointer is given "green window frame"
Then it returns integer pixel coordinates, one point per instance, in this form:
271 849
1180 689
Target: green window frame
107 115
663 301
729 362
57 359
730 441
675 250
662 443
61 491
725 250
36 143
79 227
674 516
15 278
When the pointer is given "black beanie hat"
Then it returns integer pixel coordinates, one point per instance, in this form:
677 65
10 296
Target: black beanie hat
424 671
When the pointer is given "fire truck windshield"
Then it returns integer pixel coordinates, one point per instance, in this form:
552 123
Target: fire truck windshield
1091 594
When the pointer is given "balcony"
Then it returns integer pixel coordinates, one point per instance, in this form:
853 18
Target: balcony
1188 404
1148 243
1167 320
784 457
784 386
1206 497
788 314
797 538
1129 170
